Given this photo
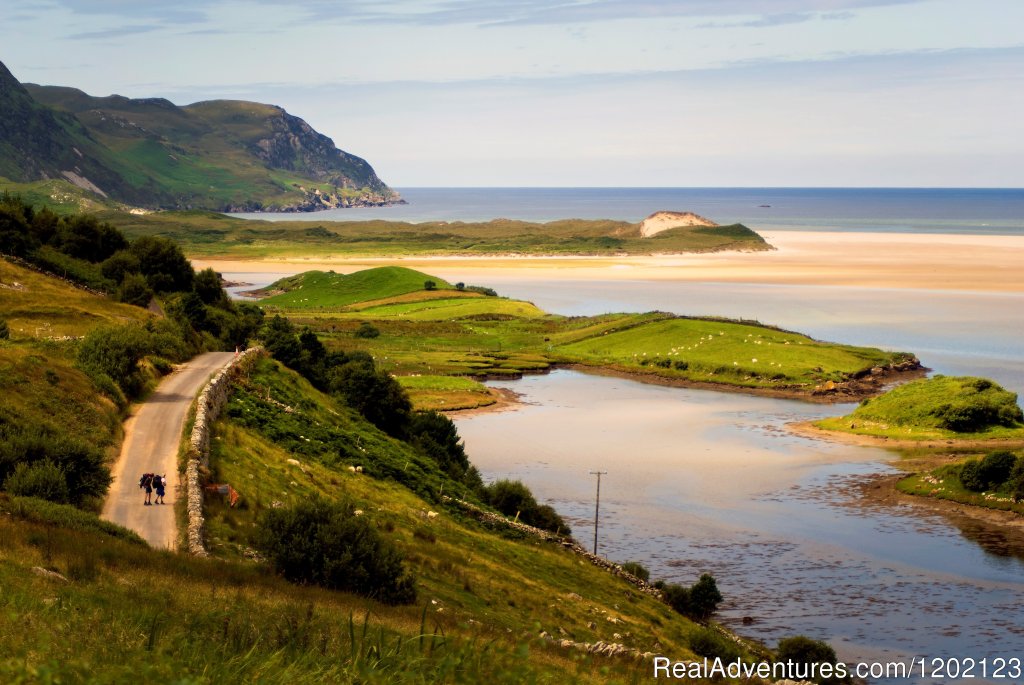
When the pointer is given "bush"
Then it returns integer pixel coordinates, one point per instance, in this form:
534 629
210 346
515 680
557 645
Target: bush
429 285
996 467
805 651
326 544
82 467
135 290
990 473
367 330
698 601
5 330
42 479
512 497
115 351
637 569
706 642
435 436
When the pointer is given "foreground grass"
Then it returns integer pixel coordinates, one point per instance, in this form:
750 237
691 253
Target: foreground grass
120 612
213 235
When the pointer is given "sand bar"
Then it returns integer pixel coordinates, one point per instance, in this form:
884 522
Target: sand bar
881 260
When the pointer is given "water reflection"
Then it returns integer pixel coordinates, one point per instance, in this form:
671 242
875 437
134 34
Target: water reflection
702 481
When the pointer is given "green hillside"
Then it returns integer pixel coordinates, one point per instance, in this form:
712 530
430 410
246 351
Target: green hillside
313 289
442 332
219 155
938 408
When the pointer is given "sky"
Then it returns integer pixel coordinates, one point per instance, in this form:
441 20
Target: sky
675 93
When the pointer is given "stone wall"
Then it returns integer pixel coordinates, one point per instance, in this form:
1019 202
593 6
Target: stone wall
208 406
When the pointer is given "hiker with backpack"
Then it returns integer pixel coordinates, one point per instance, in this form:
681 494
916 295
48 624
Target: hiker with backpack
146 483
160 484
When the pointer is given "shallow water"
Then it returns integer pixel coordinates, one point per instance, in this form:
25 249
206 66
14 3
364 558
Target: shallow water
701 481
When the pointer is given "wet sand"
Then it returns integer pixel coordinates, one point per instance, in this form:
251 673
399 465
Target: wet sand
877 260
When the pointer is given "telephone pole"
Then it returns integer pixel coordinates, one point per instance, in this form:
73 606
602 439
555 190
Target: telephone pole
597 506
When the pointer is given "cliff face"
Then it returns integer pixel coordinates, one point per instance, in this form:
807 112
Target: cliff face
39 143
222 155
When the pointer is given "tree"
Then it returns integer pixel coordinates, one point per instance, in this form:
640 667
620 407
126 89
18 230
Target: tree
207 286
372 393
163 263
704 597
436 436
327 544
429 285
119 265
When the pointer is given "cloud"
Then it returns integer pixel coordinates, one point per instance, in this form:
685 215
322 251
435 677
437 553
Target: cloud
115 32
478 12
765 21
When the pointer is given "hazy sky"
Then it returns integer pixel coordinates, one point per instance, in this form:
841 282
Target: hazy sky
580 92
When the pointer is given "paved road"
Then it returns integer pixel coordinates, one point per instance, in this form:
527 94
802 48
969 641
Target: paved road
151 442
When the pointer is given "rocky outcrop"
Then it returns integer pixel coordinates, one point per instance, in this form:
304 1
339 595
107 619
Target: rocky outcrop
208 406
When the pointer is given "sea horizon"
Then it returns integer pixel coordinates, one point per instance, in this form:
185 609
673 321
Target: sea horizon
979 211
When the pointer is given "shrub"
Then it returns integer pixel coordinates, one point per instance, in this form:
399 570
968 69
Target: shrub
996 467
512 497
5 330
326 544
83 468
706 642
115 351
135 290
698 601
42 479
367 330
435 436
805 651
637 569
429 285
1016 481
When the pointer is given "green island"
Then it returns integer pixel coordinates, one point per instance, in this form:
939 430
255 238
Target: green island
205 234
439 338
959 436
361 544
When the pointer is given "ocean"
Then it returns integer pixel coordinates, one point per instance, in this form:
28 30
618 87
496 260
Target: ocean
991 211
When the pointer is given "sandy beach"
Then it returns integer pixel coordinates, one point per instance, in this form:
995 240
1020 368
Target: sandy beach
877 260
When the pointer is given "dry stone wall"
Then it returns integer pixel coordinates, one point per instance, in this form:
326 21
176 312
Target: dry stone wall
208 407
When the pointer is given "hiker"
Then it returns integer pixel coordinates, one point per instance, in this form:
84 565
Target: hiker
146 483
160 483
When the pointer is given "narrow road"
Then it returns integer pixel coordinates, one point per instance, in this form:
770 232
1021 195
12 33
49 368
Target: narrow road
150 445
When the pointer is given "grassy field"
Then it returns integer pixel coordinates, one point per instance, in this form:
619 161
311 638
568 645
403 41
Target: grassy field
458 333
446 393
204 234
939 408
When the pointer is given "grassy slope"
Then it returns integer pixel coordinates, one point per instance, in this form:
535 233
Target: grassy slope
910 412
314 289
208 235
473 581
40 306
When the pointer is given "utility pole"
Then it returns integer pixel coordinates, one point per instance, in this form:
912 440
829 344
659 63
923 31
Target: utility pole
597 506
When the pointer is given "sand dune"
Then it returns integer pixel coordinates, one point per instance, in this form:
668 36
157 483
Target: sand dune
882 260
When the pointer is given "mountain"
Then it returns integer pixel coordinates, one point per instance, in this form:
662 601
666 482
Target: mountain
222 155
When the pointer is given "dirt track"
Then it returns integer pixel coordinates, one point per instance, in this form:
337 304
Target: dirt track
152 436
